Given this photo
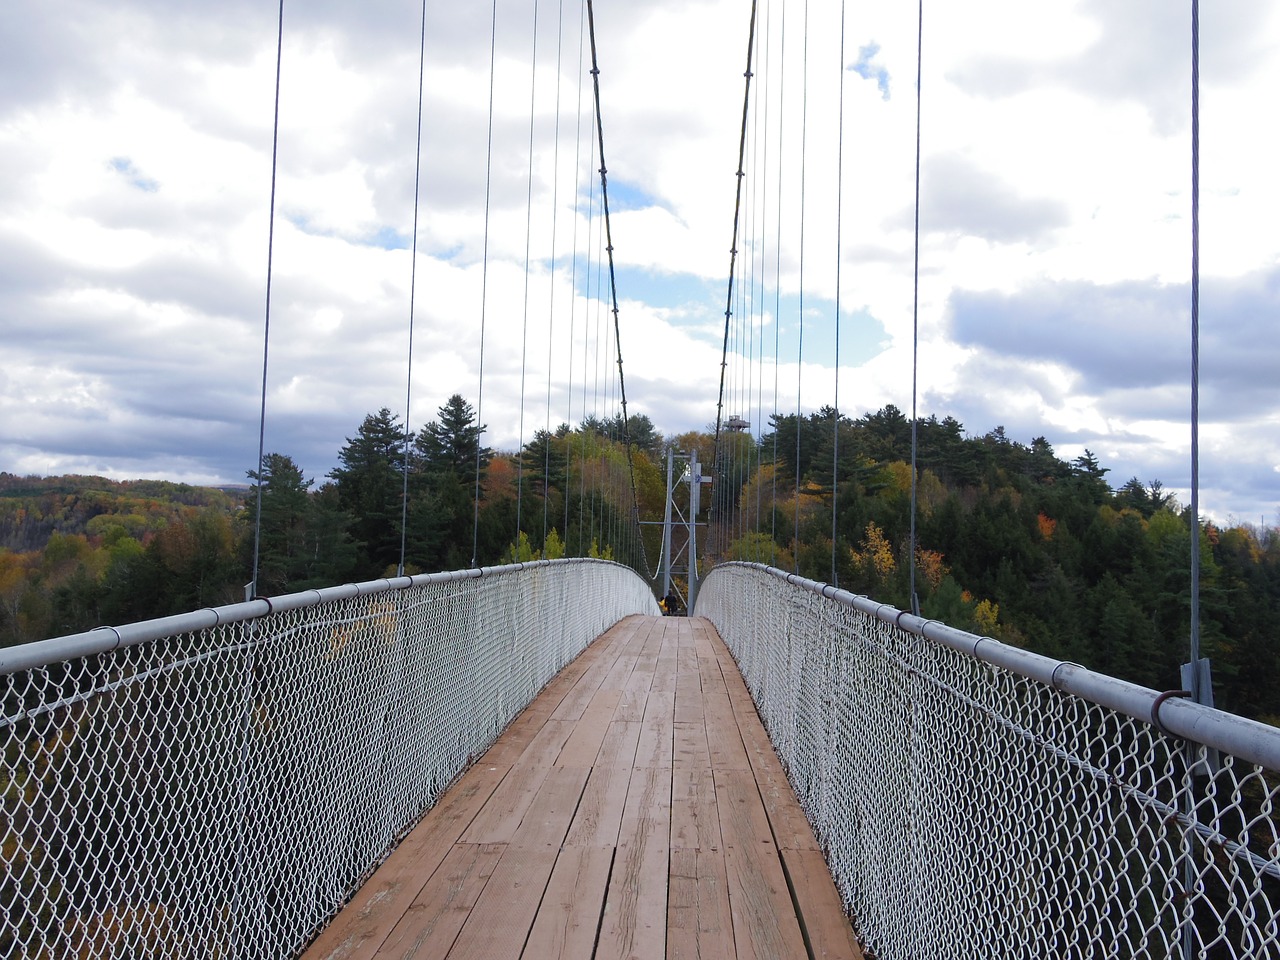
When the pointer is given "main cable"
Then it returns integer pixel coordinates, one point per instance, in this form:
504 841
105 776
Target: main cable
733 248
613 285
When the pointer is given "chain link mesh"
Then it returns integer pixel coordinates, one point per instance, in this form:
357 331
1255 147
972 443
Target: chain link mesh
219 793
969 811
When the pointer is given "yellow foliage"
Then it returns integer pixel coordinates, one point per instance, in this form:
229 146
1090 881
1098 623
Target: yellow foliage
877 553
899 475
985 616
929 562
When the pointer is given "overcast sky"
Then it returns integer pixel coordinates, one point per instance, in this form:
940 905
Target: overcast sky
135 177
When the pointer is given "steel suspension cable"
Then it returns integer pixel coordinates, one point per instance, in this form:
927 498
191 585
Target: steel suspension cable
777 281
551 306
528 239
413 278
733 247
573 306
915 311
804 146
835 427
484 278
613 284
1200 695
266 325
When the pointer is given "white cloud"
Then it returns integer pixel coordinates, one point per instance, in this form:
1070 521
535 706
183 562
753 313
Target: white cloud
135 145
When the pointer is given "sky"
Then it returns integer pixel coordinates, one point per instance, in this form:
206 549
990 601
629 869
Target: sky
1054 224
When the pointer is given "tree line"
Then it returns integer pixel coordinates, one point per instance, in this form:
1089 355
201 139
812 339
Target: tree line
80 552
1012 542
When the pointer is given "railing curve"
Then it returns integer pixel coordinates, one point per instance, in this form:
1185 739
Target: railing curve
975 799
217 784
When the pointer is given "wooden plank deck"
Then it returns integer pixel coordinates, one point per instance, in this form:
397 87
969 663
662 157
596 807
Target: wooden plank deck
635 809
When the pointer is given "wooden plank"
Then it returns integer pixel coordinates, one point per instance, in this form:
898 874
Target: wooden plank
633 926
501 920
689 707
689 745
826 928
695 824
547 820
604 654
583 745
599 815
654 747
498 821
431 924
764 919
569 916
361 927
544 748
505 911
724 741
699 922
619 746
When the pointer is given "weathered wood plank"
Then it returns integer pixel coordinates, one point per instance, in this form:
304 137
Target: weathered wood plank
699 922
633 926
583 745
431 924
764 919
569 918
364 925
826 929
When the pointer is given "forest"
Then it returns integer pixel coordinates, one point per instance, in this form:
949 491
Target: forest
1011 541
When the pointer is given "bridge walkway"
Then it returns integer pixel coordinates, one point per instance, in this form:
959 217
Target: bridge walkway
635 809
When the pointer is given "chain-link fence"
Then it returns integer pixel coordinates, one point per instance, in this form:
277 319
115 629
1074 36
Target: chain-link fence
976 800
216 785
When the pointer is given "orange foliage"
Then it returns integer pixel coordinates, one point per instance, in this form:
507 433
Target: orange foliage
1047 526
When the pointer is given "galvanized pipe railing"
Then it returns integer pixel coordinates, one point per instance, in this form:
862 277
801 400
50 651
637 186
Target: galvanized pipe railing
217 784
976 799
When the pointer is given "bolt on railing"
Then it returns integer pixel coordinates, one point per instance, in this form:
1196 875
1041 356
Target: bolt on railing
217 784
978 800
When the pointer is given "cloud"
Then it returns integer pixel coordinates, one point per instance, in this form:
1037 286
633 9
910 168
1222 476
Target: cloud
868 69
960 197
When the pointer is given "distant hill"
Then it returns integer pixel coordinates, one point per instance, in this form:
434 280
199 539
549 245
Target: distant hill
33 509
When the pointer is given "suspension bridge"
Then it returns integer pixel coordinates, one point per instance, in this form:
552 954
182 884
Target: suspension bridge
526 760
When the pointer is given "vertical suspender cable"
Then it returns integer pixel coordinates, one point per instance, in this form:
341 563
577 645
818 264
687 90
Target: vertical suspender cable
573 310
777 280
413 278
528 237
835 428
1198 694
804 146
484 278
915 312
266 326
551 306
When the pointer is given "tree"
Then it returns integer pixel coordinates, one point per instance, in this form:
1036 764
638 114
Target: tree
451 443
370 485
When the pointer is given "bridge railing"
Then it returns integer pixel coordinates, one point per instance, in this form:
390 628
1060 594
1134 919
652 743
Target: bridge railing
978 800
217 784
